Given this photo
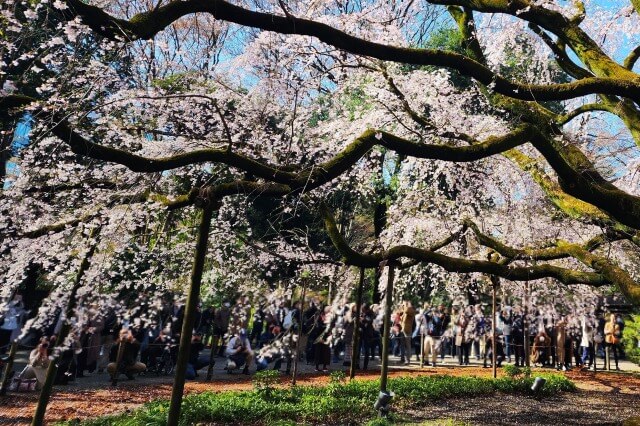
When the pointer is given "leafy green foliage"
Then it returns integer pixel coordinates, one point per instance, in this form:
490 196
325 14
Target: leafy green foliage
340 402
631 337
516 372
264 382
354 101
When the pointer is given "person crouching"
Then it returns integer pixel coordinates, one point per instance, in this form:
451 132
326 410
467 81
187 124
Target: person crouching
128 362
239 352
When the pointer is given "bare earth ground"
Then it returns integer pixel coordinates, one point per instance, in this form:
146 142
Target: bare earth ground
603 398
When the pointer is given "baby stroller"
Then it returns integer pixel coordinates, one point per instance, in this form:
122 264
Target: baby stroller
165 363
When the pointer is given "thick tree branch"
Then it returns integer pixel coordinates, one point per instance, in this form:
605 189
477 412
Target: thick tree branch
552 252
146 25
581 252
564 119
576 174
453 264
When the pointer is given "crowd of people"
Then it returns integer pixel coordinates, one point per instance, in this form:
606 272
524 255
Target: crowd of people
269 334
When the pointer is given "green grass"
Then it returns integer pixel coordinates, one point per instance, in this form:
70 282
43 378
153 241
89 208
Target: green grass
335 403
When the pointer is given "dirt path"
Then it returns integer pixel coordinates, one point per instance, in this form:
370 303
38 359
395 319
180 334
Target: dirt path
85 403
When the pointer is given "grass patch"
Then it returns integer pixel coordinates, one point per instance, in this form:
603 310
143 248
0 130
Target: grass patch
338 402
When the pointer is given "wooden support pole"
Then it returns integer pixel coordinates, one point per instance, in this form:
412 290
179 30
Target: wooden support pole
527 355
355 348
119 356
421 348
189 316
212 355
494 344
300 323
384 370
52 370
8 368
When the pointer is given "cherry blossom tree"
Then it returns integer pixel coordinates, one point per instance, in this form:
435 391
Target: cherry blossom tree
516 137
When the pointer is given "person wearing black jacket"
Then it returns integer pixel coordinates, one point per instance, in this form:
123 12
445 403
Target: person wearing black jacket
517 338
206 324
506 317
367 332
128 364
196 362
435 321
108 335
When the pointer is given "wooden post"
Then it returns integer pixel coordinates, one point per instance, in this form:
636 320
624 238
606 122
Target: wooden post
355 348
52 370
297 352
212 355
119 355
387 328
495 282
189 315
4 386
421 347
527 356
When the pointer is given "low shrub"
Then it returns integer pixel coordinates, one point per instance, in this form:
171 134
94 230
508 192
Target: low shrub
631 337
515 371
339 402
265 381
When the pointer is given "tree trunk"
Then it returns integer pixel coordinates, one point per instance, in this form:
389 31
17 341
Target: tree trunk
189 316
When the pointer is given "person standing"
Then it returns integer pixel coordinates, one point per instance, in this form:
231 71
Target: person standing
11 322
108 335
612 337
506 317
348 327
435 325
463 338
407 321
561 347
206 327
368 333
257 325
220 327
322 353
586 341
517 338
479 332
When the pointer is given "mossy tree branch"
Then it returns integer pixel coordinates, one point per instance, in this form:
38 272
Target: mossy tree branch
576 174
454 264
146 25
562 249
632 58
